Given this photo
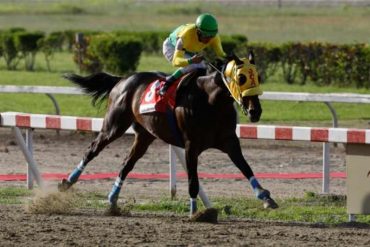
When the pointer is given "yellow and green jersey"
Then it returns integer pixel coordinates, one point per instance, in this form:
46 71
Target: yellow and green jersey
185 40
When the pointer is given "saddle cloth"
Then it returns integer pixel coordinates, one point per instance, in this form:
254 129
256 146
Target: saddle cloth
151 101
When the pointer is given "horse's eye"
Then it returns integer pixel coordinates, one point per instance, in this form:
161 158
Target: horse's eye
242 79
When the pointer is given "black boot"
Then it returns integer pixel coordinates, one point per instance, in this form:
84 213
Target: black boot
167 84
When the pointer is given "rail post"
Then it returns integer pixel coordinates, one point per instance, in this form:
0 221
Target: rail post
181 155
172 172
29 145
325 167
31 162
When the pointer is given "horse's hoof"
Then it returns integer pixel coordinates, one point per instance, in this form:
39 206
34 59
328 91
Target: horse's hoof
113 210
64 185
268 202
209 215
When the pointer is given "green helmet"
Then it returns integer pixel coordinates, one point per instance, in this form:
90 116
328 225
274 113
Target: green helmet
207 25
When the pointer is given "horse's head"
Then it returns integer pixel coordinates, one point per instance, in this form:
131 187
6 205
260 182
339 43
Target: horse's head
241 78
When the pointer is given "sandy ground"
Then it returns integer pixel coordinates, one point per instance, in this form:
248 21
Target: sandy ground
61 153
90 228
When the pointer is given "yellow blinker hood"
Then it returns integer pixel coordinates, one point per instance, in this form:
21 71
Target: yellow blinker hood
251 86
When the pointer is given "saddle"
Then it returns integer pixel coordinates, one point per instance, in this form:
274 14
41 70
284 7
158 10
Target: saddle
151 101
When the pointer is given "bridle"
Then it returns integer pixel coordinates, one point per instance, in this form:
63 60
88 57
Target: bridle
225 79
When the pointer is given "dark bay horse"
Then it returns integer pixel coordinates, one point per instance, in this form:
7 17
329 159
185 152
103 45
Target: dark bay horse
204 118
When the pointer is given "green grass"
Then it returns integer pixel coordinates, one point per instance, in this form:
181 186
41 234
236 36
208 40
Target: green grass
312 208
340 24
13 195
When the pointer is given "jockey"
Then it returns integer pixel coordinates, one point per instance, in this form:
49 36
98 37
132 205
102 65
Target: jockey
183 45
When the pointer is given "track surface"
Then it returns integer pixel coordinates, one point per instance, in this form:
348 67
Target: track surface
83 227
92 228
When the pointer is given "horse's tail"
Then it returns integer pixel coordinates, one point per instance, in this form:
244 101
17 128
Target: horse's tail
97 85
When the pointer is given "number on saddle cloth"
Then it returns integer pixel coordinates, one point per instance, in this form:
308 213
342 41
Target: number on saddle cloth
151 101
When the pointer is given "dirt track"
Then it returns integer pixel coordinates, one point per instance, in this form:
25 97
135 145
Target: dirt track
91 228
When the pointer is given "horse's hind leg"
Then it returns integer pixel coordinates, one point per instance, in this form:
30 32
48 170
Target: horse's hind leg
232 148
116 122
142 141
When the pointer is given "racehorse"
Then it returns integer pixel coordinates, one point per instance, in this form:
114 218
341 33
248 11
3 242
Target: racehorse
204 117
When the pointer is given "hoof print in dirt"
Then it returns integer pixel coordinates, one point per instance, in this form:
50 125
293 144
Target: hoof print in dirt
209 215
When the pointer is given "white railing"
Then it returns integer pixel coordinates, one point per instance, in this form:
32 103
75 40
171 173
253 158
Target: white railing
326 98
288 133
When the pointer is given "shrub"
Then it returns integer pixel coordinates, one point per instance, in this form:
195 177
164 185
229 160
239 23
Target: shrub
151 41
48 45
119 55
27 44
8 47
59 40
325 64
230 44
362 66
233 43
84 58
289 61
16 29
267 58
353 66
69 37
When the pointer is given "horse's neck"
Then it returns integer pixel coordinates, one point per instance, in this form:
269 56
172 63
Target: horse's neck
213 86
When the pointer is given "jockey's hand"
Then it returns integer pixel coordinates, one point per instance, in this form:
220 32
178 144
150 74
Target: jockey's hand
197 58
219 62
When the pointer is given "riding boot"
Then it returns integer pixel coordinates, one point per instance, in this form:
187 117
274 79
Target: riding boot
169 80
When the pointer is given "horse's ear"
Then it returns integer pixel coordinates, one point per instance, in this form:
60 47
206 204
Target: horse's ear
231 56
237 60
251 57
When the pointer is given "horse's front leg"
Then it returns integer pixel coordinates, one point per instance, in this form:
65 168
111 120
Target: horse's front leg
233 149
191 157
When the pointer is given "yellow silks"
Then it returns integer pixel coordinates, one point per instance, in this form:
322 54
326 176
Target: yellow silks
250 87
